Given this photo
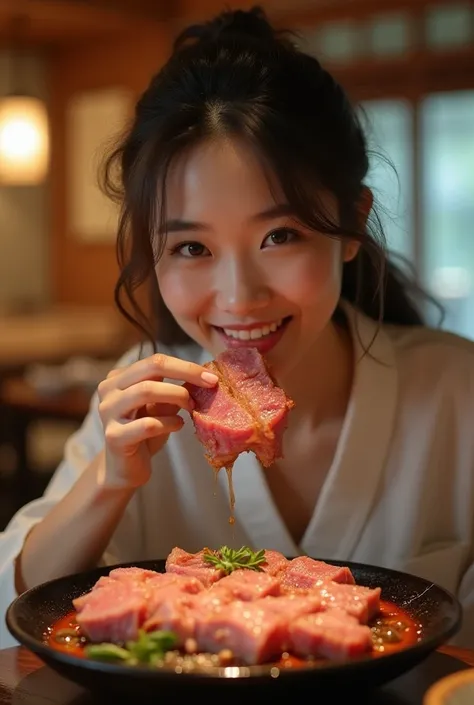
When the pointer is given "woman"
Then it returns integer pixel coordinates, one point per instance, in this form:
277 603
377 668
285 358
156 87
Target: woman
244 207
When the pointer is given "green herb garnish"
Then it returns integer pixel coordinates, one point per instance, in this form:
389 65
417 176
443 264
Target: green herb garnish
145 650
230 559
107 652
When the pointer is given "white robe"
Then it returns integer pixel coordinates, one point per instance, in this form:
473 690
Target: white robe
399 492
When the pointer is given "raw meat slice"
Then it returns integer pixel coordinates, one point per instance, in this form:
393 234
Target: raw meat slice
251 631
173 611
192 565
358 601
117 607
292 606
304 572
248 585
333 634
275 563
113 612
245 411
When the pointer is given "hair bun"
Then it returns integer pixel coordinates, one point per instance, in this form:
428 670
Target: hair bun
251 23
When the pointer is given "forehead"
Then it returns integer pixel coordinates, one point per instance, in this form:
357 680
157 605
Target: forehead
219 177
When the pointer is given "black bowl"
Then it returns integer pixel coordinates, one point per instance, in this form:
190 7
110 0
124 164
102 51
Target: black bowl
438 612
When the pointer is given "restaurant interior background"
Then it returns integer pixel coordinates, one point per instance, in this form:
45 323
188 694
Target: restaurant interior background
78 66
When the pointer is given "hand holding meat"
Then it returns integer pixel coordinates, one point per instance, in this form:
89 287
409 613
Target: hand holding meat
139 410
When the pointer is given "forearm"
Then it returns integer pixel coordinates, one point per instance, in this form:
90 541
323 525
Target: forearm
74 535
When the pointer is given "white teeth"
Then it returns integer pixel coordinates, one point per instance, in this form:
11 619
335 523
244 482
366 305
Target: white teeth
254 333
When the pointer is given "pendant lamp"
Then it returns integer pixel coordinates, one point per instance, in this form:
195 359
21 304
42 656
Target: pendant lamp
24 131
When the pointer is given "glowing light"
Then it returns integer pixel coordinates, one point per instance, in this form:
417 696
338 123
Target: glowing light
24 141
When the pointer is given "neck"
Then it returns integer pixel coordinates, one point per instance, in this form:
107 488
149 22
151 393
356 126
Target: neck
323 395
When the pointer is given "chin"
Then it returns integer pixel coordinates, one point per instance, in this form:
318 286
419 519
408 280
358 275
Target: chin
282 365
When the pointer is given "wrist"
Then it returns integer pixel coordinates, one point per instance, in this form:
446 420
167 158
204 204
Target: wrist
110 480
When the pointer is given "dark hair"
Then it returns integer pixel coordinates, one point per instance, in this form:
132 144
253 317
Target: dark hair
236 75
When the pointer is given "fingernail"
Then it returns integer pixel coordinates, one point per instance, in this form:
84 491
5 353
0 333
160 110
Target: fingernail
209 377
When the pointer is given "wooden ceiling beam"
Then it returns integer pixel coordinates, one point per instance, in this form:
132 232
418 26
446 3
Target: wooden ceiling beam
292 13
62 22
154 10
315 14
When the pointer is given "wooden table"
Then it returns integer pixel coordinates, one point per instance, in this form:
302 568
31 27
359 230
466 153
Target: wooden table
24 679
17 394
20 407
56 334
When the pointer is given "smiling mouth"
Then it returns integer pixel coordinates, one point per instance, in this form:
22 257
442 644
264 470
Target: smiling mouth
256 335
253 333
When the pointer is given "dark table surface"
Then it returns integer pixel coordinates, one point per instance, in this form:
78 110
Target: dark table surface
25 680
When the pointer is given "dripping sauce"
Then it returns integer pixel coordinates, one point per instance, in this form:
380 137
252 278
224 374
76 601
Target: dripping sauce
231 494
230 485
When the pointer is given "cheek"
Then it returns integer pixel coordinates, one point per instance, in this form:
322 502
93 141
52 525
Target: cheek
180 293
315 275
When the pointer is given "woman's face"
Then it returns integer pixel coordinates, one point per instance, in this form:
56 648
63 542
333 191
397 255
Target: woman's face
238 269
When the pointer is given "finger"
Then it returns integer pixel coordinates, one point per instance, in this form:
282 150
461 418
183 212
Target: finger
114 372
127 403
159 410
120 437
157 367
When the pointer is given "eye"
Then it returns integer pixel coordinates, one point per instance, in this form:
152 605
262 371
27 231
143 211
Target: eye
190 249
281 236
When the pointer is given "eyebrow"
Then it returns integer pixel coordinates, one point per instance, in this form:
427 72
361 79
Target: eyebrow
177 225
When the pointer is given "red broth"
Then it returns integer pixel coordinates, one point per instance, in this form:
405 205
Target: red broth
393 629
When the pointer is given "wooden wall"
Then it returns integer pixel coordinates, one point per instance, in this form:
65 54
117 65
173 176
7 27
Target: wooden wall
83 273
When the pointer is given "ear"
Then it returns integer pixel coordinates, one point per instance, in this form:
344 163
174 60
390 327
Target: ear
350 248
366 201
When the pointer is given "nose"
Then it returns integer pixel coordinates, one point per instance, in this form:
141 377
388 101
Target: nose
241 289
